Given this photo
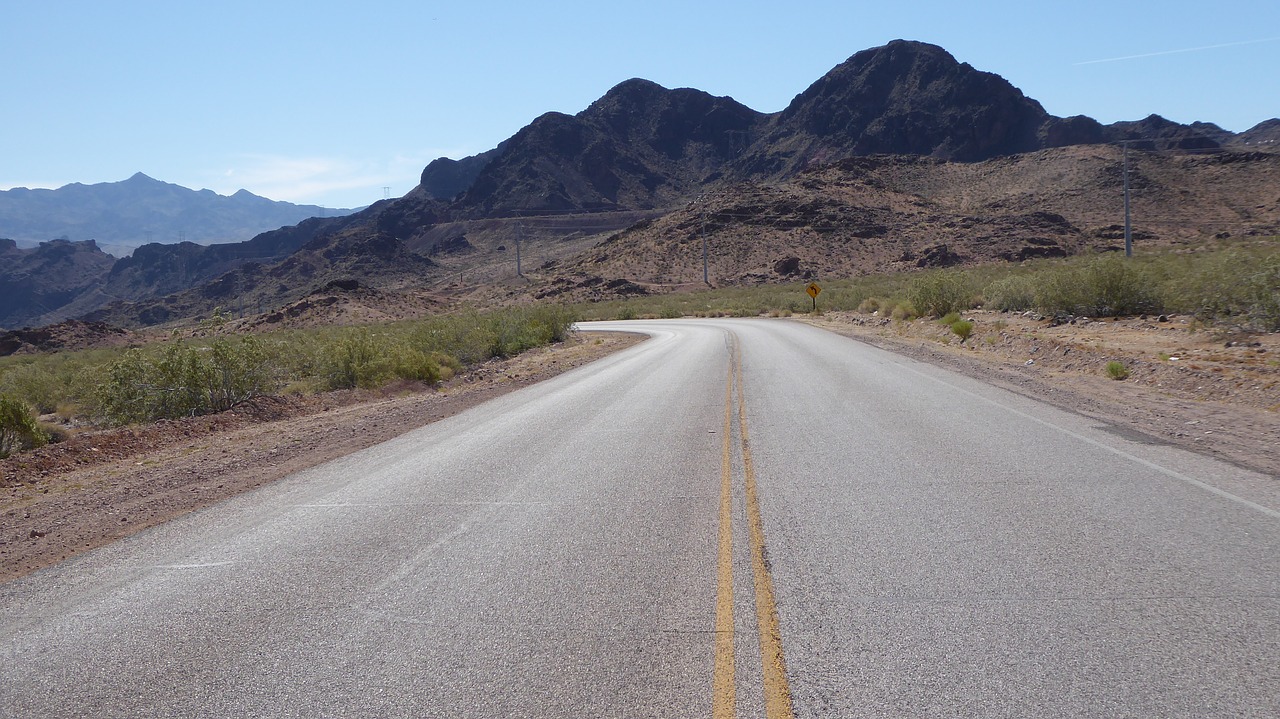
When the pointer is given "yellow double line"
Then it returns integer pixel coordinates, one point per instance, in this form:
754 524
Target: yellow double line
777 692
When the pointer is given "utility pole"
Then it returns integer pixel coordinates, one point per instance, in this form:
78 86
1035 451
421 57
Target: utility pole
1128 231
705 279
519 236
702 232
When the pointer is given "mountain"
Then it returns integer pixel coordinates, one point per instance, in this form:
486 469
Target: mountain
904 98
1265 134
562 190
34 281
640 146
900 212
124 215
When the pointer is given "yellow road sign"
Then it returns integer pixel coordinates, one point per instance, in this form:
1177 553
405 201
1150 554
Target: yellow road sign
813 289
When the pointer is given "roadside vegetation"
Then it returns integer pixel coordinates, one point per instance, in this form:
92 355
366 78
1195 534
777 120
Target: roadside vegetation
1234 287
1237 286
186 377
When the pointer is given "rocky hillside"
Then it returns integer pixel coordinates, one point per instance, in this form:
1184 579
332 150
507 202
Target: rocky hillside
51 275
361 249
894 212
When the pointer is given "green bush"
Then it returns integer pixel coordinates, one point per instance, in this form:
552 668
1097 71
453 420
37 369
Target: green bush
359 359
962 329
1119 287
180 380
938 293
33 383
1117 370
1109 286
18 428
903 311
414 364
1010 294
1234 286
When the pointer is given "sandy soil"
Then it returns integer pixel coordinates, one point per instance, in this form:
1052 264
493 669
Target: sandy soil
1212 393
68 498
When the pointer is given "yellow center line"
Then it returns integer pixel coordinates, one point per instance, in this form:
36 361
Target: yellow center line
724 702
777 691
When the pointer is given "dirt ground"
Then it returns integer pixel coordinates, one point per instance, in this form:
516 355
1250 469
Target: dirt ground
1210 392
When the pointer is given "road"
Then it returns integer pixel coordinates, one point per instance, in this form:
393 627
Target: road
735 518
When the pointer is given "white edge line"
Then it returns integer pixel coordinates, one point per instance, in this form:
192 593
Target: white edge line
192 566
1114 450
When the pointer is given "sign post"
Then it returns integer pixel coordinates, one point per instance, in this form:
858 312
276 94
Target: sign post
813 289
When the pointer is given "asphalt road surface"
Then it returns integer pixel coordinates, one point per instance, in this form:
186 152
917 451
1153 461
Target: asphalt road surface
734 518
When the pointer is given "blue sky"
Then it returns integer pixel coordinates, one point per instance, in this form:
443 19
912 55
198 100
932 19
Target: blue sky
329 103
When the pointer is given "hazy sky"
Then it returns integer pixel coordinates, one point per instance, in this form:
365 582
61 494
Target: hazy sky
328 103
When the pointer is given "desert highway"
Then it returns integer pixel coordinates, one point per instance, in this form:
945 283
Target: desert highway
735 518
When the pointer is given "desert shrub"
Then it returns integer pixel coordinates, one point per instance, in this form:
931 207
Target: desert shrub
949 319
473 337
464 336
358 359
1010 294
1116 370
34 383
179 380
904 311
1234 285
937 293
125 395
962 329
1118 287
237 372
448 364
414 364
1059 291
18 428
1108 286
515 331
49 381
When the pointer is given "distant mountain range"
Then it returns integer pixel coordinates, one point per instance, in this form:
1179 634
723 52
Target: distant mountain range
122 216
642 153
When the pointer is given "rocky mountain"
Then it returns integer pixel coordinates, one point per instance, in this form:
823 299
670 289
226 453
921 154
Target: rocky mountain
35 281
643 146
901 212
904 98
272 270
1265 134
121 216
638 147
444 179
642 153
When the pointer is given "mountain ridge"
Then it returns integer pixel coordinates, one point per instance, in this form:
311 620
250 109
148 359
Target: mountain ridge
645 151
121 216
